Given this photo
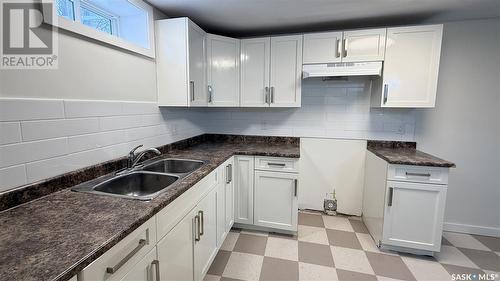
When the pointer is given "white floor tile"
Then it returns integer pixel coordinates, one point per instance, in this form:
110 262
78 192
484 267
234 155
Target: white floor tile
426 269
383 278
453 256
282 248
338 223
462 240
351 259
243 266
230 241
309 271
312 234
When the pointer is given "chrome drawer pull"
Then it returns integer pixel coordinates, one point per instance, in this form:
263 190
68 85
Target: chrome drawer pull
428 175
277 164
115 268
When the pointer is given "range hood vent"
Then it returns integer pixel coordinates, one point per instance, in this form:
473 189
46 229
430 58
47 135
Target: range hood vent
342 69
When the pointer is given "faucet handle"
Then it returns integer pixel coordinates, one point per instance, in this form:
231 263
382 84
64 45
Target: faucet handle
135 148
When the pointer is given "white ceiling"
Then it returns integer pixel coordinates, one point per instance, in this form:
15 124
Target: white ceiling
253 17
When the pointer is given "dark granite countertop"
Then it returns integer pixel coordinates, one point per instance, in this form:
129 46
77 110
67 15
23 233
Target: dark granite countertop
405 153
56 236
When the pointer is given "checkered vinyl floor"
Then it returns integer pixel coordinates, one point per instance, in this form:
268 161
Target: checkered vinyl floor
340 248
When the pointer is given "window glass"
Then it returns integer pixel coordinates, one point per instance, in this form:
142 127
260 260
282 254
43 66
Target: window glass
66 8
96 20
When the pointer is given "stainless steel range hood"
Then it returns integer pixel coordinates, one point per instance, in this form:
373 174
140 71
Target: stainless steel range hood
342 69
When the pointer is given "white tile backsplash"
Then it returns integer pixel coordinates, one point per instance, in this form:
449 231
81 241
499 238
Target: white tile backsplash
12 176
45 129
10 132
40 138
30 109
330 109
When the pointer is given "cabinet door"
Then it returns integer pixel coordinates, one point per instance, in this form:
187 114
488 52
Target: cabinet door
322 47
243 189
206 248
255 60
276 200
411 66
197 66
364 45
413 215
286 71
221 204
179 240
223 73
147 269
229 193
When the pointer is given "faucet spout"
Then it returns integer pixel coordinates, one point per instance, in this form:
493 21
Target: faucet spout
139 157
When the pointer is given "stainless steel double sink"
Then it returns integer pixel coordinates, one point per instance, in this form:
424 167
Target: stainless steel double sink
143 182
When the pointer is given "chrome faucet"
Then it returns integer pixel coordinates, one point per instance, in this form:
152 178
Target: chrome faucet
133 159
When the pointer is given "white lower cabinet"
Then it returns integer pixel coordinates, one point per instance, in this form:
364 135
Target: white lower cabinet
225 201
266 192
404 215
205 234
243 189
414 215
276 200
175 251
147 269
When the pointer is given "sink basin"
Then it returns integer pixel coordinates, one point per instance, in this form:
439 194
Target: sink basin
173 166
135 185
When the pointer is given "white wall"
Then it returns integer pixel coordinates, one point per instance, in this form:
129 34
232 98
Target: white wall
465 125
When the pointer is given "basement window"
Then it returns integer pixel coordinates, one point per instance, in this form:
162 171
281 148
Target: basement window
124 23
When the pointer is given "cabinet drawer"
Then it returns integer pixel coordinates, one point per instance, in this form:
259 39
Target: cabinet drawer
423 174
121 258
169 216
277 164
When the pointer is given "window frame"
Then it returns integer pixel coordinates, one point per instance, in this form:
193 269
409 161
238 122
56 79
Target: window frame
77 27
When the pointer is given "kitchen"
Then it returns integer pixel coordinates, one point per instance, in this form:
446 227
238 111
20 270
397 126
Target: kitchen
338 141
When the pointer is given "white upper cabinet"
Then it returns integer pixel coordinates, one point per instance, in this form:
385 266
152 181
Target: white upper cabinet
322 47
271 71
411 67
255 63
347 46
286 71
363 45
223 70
181 63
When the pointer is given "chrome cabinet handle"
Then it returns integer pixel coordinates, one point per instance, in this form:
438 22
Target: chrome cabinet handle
111 270
196 227
418 174
295 187
230 172
266 89
386 90
227 174
156 263
272 95
344 44
191 90
391 192
202 223
337 51
210 93
276 164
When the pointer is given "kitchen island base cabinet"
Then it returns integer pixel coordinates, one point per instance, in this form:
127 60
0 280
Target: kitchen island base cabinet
276 200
